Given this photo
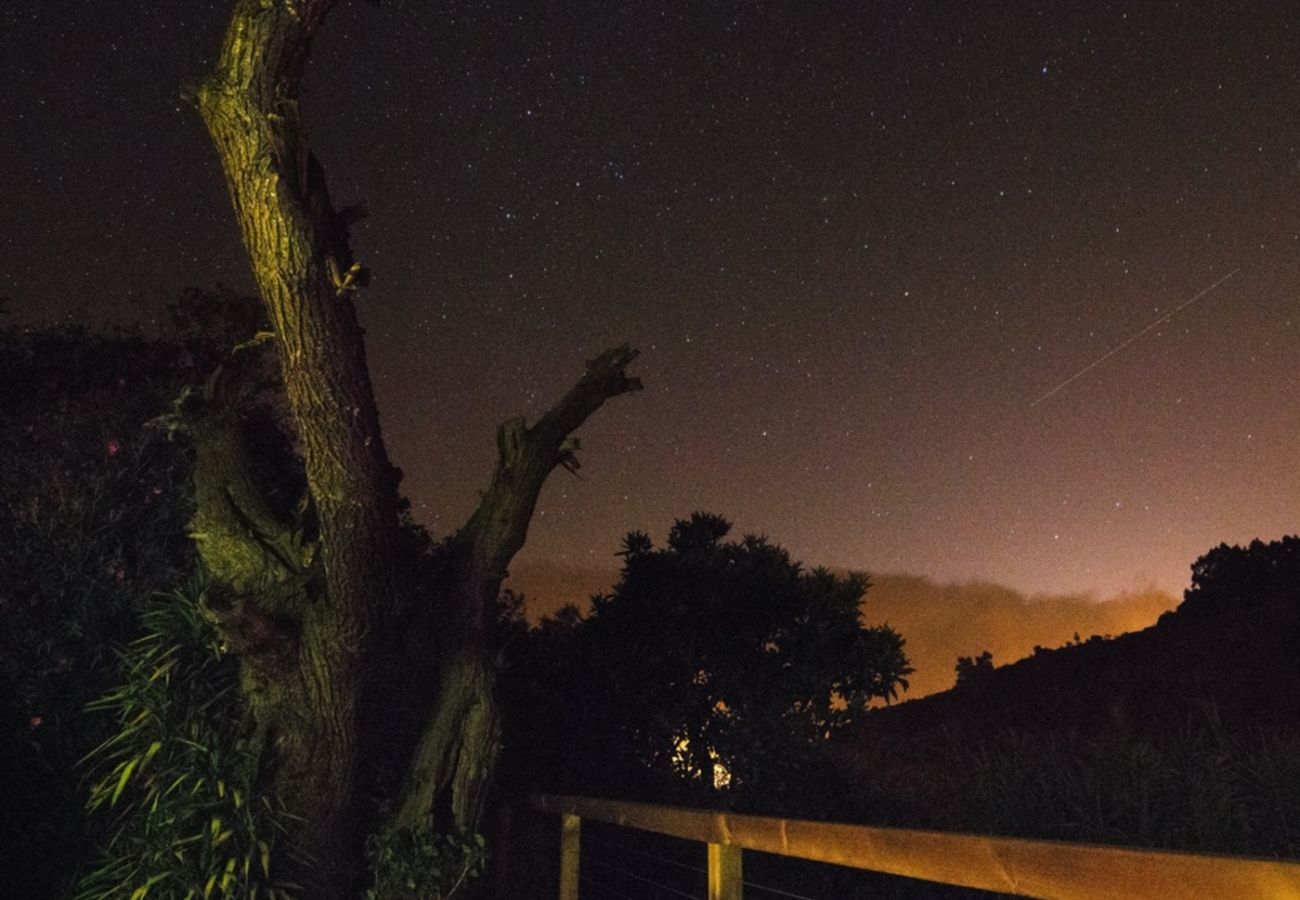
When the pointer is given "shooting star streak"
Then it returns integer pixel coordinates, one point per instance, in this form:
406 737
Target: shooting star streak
1118 347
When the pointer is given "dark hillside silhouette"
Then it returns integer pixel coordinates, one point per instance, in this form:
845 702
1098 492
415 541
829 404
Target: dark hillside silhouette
1185 735
1233 644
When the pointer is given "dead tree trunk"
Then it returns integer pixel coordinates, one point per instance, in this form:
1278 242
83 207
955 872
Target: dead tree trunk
458 747
307 618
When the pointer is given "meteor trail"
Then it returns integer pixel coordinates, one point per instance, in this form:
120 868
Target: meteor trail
1118 347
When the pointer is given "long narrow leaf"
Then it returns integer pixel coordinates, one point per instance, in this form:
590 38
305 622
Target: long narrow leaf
121 782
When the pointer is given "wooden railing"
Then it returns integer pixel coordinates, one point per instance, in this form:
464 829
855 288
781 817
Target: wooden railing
1031 868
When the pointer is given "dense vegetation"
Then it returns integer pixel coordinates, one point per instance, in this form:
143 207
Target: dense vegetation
1185 735
177 781
92 522
136 767
715 671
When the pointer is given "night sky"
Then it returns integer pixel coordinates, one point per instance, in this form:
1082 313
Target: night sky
854 241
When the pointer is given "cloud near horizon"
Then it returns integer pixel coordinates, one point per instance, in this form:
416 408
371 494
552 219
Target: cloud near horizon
939 621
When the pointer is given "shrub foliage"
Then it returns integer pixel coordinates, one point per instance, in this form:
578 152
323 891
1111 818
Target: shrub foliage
179 774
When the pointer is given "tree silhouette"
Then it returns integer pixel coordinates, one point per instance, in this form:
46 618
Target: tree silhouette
711 664
1231 578
973 669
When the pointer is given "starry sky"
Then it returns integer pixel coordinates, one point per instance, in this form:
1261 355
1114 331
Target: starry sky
855 243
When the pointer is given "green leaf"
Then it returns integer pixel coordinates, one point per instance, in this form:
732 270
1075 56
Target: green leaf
229 874
164 668
140 892
121 781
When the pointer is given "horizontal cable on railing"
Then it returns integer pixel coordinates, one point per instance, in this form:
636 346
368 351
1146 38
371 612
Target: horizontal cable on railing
777 891
591 882
625 849
649 881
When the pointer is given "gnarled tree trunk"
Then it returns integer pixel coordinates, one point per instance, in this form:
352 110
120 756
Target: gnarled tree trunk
308 618
290 231
458 747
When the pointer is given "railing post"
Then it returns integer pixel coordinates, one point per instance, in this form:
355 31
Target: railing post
724 872
570 833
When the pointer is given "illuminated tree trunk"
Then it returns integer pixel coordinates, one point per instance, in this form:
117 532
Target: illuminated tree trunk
308 693
308 618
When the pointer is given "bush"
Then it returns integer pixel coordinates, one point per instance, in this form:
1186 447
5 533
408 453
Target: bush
1199 789
93 518
421 864
178 776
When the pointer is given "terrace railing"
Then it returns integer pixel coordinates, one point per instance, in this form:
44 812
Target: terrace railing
1030 868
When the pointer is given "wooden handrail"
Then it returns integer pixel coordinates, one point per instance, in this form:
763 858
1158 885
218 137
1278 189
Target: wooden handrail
1031 868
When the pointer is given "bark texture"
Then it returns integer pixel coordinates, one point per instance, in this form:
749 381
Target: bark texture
297 248
309 616
451 767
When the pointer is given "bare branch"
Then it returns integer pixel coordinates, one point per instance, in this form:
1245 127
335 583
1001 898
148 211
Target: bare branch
525 457
606 376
